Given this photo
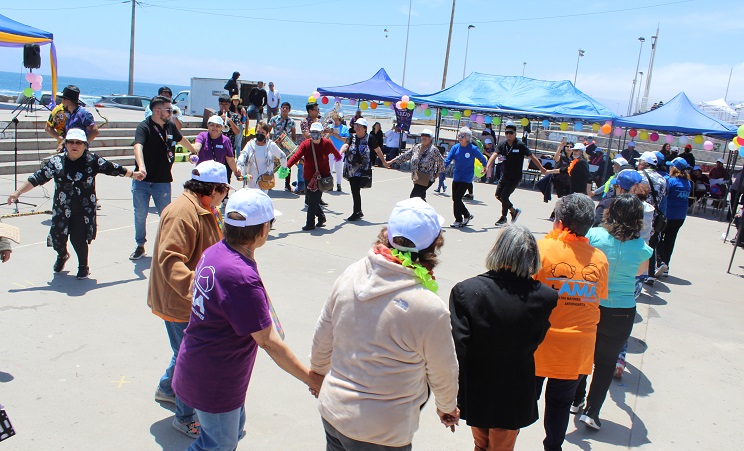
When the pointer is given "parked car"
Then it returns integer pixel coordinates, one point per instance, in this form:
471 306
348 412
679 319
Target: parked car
124 101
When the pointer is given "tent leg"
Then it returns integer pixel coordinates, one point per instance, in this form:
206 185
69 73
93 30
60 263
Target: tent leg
736 244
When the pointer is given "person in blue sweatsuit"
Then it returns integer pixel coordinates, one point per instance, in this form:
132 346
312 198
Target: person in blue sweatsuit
463 154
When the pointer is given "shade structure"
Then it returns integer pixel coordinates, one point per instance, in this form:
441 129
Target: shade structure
379 87
680 116
16 34
518 95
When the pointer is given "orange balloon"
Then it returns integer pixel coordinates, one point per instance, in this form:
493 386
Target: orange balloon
373 105
403 105
606 129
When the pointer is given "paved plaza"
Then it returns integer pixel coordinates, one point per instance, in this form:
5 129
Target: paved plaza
81 359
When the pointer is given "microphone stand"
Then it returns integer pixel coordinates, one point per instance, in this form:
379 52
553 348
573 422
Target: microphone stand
27 105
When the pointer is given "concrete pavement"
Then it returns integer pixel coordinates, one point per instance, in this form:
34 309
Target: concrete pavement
81 359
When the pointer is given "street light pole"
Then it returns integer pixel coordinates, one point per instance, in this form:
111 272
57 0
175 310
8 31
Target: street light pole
405 55
650 72
130 89
467 42
635 79
524 65
578 58
449 41
638 97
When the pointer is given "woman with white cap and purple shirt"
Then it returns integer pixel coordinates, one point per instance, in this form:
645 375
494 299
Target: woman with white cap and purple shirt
427 163
383 340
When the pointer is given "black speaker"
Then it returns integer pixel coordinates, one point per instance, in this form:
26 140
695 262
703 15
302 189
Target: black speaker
31 56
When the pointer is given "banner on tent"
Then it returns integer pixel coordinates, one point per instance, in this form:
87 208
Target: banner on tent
403 117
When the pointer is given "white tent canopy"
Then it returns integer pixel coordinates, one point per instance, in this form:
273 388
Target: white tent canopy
719 105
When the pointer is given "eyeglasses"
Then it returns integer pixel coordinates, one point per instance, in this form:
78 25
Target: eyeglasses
271 223
169 110
75 142
462 135
508 132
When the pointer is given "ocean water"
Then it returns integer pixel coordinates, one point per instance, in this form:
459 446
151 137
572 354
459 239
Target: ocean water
91 89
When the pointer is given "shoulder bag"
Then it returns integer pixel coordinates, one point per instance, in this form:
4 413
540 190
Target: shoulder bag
324 183
660 220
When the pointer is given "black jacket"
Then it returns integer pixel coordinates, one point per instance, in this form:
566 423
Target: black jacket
498 320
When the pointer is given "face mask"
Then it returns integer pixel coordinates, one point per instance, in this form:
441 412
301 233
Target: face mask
315 135
261 136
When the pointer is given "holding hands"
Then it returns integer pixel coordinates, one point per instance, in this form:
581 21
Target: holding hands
451 419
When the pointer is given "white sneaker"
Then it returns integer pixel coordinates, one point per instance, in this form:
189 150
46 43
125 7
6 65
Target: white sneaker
661 270
576 409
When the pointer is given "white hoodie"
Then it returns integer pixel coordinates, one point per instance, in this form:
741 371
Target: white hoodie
381 339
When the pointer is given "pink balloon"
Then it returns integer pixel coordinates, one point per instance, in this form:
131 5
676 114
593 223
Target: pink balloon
669 139
36 86
708 145
653 136
398 105
316 94
424 106
39 78
404 99
480 119
618 131
30 77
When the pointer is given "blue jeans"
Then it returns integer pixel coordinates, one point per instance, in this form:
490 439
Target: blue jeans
184 413
253 108
336 441
219 431
141 194
442 177
300 178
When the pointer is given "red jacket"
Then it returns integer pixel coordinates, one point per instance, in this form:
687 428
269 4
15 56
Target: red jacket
322 151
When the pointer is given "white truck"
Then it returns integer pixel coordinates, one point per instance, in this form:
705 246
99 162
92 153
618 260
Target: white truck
205 93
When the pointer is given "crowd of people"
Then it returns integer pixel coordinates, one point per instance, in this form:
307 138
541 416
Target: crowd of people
560 308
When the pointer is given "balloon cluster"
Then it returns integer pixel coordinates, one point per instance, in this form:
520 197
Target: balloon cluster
738 142
314 98
405 103
35 81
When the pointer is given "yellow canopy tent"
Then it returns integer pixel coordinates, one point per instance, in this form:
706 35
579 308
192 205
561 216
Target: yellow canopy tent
16 34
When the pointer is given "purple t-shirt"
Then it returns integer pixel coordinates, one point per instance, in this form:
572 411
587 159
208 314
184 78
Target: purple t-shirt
214 149
217 353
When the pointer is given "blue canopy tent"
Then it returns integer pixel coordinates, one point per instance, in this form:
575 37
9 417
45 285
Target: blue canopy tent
379 87
518 96
16 34
681 116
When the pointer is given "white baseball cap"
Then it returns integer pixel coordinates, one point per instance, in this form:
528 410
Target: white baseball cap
362 121
487 141
720 160
416 221
620 161
649 157
210 172
579 146
253 204
428 132
77 134
216 120
316 127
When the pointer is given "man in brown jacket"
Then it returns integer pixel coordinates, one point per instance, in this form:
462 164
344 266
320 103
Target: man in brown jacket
187 227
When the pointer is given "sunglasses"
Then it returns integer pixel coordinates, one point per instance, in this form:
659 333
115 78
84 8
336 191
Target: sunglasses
508 132
169 110
462 135
75 142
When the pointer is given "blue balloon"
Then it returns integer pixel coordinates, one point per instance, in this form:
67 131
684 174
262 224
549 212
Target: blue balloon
546 123
741 152
487 120
578 126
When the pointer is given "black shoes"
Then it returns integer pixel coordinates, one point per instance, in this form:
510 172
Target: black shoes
355 217
467 196
321 222
338 187
501 222
323 203
138 253
59 264
83 272
308 227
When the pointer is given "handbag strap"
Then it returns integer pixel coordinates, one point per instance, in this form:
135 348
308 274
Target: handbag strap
315 159
653 191
268 163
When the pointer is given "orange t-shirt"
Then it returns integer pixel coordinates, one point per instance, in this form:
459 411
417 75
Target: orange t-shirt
578 272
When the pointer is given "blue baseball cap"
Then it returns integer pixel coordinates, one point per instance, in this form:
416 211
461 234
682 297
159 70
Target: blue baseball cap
679 163
659 157
627 178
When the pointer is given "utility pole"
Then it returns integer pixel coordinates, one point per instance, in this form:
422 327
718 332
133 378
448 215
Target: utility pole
405 56
467 42
130 90
524 66
449 40
650 70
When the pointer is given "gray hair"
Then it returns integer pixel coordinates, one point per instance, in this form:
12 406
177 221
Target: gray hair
515 251
576 212
466 131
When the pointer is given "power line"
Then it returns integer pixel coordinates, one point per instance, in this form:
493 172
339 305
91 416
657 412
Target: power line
114 3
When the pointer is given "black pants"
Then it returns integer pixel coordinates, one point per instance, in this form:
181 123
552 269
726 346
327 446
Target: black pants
313 207
287 180
559 393
355 183
653 243
613 331
420 190
667 239
733 204
458 190
78 236
504 190
390 152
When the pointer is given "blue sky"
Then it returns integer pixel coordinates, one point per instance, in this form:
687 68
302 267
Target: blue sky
302 44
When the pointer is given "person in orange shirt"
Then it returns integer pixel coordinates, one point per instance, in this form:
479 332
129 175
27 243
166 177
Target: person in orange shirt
578 271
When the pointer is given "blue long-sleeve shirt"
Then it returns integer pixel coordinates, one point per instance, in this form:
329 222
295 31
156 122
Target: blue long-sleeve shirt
464 158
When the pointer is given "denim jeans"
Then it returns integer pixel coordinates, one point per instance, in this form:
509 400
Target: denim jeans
219 431
559 394
184 413
300 178
253 108
141 194
442 178
336 441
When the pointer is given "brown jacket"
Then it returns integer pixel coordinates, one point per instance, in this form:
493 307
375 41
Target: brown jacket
186 230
